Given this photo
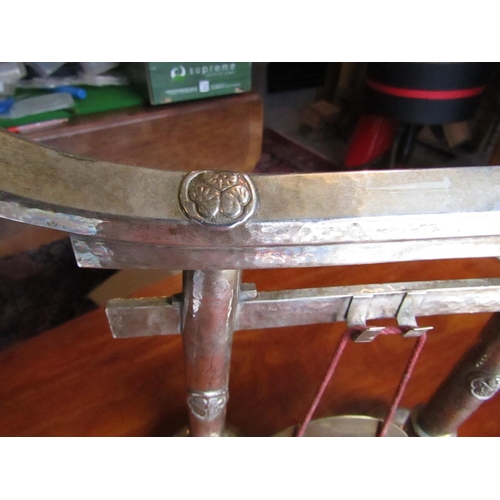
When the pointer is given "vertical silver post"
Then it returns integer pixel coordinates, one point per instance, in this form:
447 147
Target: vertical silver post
209 310
473 380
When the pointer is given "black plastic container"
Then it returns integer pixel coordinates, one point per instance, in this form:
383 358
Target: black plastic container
426 93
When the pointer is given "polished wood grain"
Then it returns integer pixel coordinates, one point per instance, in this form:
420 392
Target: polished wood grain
217 134
76 380
16 237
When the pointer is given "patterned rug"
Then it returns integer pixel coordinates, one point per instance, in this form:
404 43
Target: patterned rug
281 156
43 288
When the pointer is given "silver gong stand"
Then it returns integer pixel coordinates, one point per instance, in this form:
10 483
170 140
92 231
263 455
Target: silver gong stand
215 224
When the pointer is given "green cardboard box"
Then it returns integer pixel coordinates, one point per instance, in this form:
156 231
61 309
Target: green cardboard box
186 81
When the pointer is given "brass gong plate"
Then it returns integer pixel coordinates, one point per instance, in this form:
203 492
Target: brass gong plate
345 426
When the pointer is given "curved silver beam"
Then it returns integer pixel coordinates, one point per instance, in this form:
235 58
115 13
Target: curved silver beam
123 214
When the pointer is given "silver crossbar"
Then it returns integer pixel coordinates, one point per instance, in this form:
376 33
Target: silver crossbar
162 315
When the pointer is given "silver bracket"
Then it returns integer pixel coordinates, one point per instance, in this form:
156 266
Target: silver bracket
144 317
357 314
406 316
248 291
155 316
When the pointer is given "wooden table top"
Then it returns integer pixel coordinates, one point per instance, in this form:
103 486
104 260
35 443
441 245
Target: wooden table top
76 380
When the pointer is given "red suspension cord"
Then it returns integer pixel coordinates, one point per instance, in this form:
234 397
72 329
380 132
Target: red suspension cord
405 378
329 373
417 349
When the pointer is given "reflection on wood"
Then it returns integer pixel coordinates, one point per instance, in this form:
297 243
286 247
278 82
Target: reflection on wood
78 380
176 137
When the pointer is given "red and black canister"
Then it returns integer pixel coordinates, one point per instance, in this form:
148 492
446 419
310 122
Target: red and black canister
426 93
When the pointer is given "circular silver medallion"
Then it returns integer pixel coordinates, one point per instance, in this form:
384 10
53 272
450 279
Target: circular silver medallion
484 386
218 198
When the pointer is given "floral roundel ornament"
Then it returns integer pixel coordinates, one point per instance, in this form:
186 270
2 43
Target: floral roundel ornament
218 198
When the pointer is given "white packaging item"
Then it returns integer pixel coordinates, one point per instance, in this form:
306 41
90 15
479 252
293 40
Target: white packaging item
41 104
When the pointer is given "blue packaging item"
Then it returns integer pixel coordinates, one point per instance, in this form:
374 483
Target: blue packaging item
6 104
76 92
